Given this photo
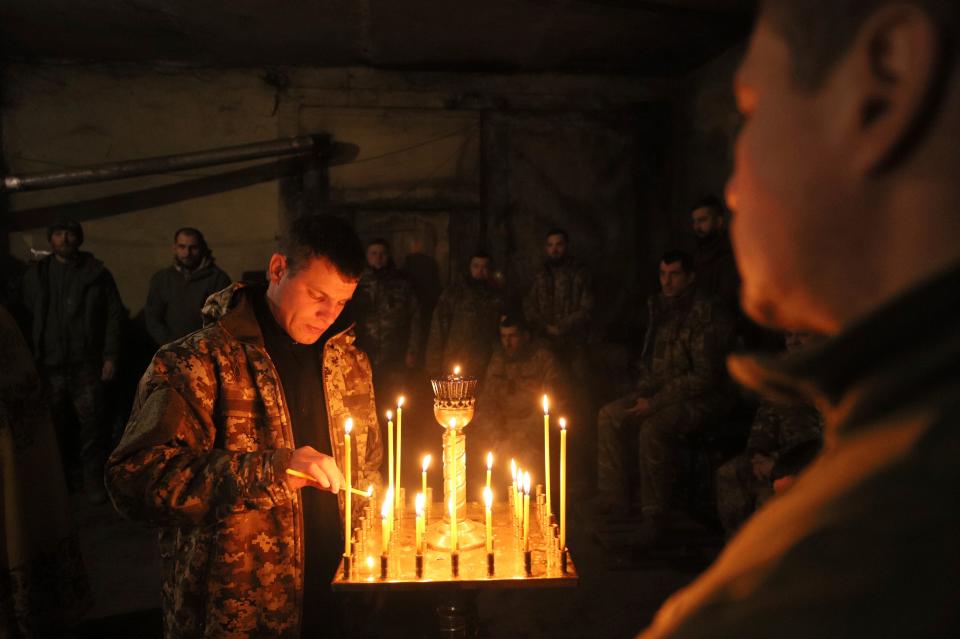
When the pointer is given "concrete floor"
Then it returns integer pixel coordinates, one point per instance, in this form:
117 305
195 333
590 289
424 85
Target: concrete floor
617 596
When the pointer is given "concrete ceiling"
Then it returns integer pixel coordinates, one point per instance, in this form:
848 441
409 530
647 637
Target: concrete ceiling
657 37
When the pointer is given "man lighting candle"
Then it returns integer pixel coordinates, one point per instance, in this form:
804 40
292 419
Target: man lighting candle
223 413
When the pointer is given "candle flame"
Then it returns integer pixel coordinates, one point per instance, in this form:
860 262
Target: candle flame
489 461
488 497
370 491
389 415
400 402
370 562
387 503
513 470
348 425
418 504
456 371
546 405
426 462
453 423
563 424
526 483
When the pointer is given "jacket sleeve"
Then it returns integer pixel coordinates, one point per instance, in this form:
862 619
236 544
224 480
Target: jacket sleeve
154 311
439 328
711 337
115 315
582 307
531 307
222 281
167 469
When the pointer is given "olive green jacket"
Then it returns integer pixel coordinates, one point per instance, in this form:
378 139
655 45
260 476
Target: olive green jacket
204 457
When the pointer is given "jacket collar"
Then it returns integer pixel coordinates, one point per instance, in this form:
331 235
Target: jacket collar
891 355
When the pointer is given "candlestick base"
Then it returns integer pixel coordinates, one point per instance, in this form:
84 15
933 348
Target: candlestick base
470 535
563 560
455 564
490 564
528 563
346 566
384 567
419 566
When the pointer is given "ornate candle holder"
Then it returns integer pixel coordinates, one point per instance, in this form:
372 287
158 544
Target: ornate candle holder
454 402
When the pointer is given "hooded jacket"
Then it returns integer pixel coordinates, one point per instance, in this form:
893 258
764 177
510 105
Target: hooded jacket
204 457
176 299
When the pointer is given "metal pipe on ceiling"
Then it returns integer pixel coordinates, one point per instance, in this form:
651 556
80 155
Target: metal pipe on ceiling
300 145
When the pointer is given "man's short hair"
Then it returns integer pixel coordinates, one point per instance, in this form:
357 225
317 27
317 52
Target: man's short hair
193 232
514 318
481 254
66 224
819 32
711 202
379 241
676 255
558 231
324 236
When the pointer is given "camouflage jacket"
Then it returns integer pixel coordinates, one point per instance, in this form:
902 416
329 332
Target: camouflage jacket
778 427
464 328
387 311
204 457
512 387
560 295
688 338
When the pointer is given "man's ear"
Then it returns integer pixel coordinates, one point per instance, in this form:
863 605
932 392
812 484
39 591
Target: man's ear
277 268
894 78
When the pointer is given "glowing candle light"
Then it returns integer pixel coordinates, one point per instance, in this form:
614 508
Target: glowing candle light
452 432
488 507
454 542
348 499
418 505
526 511
399 445
456 371
546 450
563 484
385 522
423 475
390 451
489 469
513 487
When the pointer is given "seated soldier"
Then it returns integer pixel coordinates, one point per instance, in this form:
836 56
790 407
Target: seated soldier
780 434
509 415
682 389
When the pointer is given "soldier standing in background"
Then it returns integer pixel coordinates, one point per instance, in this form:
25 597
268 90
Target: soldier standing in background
464 327
177 293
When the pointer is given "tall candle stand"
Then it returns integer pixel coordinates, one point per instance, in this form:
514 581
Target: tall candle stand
454 404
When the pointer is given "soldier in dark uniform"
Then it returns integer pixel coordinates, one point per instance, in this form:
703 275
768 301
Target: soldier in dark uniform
77 318
464 327
779 428
682 388
559 305
713 260
387 311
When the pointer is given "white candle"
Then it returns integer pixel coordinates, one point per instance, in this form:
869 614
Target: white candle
546 450
399 446
488 507
418 505
390 466
385 522
563 483
526 511
348 499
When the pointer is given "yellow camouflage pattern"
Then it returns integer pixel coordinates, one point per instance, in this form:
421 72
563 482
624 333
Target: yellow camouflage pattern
204 457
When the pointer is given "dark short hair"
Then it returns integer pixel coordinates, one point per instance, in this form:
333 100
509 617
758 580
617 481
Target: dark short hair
481 254
379 241
558 231
819 32
66 224
711 202
189 230
514 318
676 255
326 236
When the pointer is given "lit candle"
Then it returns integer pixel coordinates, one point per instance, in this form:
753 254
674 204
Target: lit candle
399 443
348 499
489 468
454 542
546 450
526 512
456 371
423 475
563 484
385 522
418 505
390 451
488 504
513 487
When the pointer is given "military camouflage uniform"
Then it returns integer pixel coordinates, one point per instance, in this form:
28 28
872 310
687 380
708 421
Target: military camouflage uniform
387 312
464 328
683 377
509 419
776 429
204 457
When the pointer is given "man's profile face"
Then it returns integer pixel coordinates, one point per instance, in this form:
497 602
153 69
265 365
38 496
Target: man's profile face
64 243
706 222
306 303
673 279
187 250
479 268
791 207
513 338
377 256
556 247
